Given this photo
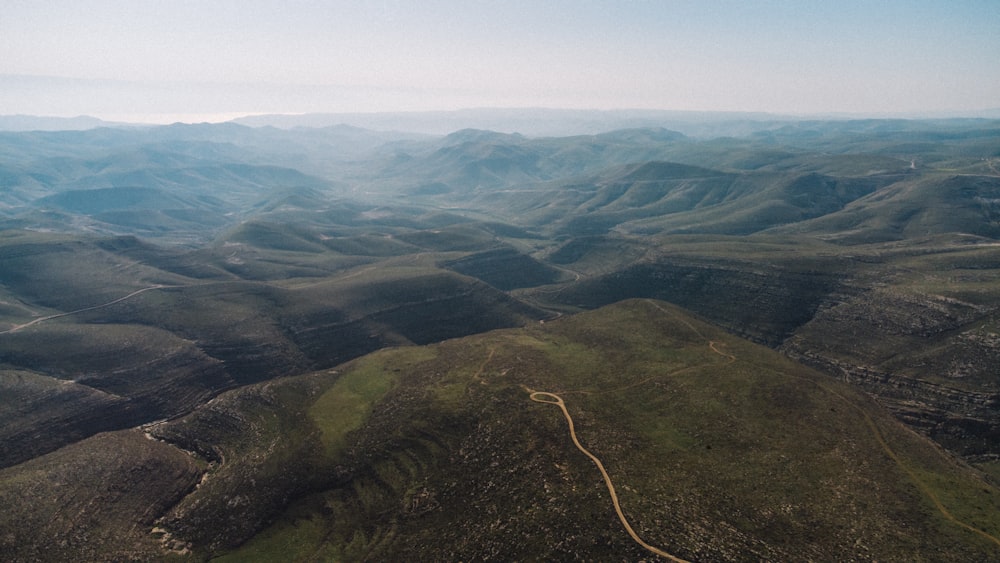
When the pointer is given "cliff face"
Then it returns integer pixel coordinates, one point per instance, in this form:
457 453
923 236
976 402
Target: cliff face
929 358
966 422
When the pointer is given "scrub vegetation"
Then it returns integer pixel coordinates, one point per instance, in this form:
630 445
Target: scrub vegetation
781 344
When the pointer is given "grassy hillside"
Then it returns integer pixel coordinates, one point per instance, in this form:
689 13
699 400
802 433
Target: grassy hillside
721 451
717 449
932 205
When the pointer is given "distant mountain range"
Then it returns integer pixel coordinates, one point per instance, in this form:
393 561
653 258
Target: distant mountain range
533 122
539 122
41 123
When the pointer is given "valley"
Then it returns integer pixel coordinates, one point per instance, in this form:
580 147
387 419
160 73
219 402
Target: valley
776 342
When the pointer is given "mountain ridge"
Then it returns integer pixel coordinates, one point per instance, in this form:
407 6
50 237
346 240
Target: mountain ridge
338 332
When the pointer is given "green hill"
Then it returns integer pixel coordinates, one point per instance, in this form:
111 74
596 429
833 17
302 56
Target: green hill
717 450
932 205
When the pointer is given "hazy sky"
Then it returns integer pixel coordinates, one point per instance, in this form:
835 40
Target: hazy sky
159 59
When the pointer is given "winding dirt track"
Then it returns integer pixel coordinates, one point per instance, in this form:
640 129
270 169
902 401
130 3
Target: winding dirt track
920 484
553 399
548 398
102 305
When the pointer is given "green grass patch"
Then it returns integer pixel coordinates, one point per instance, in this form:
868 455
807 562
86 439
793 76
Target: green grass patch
991 469
307 531
976 504
346 405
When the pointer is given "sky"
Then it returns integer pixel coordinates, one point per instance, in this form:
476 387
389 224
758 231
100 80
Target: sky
170 60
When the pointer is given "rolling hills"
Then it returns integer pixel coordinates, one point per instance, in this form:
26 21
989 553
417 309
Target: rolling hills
157 343
323 344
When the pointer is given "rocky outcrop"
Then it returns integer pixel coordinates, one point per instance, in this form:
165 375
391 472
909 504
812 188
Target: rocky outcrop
929 358
966 422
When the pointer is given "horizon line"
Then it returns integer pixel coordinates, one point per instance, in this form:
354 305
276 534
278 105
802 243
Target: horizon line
192 118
